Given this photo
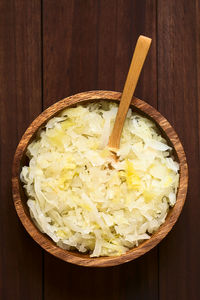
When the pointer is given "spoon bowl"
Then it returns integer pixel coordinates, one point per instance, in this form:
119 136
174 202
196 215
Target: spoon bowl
20 197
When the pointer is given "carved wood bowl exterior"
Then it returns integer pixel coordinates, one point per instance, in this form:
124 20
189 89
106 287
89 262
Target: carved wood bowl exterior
20 198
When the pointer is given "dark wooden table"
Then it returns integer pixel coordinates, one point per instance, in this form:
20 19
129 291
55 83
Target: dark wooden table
50 49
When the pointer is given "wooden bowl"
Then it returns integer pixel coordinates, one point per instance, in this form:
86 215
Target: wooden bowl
20 198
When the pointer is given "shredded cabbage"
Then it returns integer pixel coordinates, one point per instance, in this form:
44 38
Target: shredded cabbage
83 199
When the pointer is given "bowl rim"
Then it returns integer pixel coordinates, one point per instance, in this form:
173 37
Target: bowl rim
81 259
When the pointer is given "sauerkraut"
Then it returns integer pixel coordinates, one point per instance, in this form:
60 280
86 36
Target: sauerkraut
85 200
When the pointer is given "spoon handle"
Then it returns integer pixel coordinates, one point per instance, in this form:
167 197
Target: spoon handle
139 55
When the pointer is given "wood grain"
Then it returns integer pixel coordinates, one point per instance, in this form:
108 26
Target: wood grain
178 42
20 102
20 198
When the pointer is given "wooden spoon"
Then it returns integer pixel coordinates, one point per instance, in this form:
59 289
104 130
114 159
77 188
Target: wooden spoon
139 55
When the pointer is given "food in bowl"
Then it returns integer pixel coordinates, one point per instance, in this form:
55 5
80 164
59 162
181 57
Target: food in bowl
85 200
